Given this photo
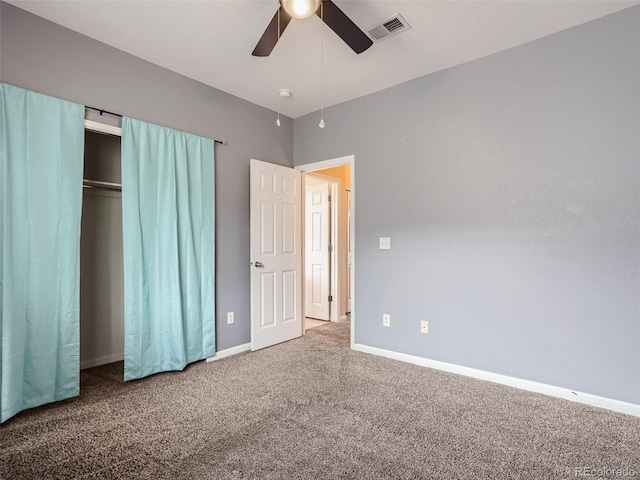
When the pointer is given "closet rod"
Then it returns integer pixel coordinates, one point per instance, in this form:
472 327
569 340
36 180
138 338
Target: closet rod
114 187
102 111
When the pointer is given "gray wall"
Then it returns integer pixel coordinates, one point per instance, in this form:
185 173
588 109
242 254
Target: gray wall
510 188
42 56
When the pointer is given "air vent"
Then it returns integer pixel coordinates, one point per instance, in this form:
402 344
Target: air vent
391 26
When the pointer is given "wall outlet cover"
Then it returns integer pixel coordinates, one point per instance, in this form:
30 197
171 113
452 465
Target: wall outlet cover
385 243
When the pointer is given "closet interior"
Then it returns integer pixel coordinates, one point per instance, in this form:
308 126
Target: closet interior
101 261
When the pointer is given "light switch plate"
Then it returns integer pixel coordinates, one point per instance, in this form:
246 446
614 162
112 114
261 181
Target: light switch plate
385 243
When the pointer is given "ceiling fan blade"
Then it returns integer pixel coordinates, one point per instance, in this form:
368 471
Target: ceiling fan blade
344 27
270 36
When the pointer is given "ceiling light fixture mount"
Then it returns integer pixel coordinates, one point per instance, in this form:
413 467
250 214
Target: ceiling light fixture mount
300 8
284 93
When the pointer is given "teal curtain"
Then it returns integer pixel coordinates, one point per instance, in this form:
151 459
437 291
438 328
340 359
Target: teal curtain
168 230
41 164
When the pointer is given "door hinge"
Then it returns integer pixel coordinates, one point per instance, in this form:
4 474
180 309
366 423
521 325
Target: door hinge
329 197
331 298
331 248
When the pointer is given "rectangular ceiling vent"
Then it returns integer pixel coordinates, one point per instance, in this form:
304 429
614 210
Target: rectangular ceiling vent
391 26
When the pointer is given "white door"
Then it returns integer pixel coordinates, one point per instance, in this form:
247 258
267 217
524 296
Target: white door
317 255
276 256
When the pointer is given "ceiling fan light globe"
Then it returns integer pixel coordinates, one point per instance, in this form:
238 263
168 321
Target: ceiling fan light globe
300 9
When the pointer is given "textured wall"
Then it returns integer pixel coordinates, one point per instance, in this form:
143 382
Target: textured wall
47 58
510 188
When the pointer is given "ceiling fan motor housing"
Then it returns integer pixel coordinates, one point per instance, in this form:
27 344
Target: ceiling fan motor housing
332 16
300 9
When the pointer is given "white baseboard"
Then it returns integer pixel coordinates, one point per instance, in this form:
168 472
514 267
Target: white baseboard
96 362
118 357
230 351
580 397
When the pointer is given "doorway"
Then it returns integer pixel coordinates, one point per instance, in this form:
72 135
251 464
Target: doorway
338 172
101 248
101 255
276 249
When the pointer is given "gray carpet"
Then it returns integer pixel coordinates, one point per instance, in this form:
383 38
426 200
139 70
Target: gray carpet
311 409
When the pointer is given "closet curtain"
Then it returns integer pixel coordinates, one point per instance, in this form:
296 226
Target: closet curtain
168 230
41 164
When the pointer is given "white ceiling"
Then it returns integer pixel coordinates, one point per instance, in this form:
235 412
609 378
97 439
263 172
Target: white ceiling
211 40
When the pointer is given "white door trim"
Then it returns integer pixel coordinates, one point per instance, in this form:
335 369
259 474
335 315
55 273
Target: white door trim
337 162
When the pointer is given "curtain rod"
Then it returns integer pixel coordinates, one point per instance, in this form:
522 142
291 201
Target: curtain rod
102 111
115 187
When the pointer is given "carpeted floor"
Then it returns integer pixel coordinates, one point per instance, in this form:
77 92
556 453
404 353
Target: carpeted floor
312 409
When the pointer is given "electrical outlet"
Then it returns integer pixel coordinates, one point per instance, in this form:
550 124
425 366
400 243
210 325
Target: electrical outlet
386 320
385 243
424 326
230 318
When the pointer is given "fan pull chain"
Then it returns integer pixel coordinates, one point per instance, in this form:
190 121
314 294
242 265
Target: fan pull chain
278 71
321 124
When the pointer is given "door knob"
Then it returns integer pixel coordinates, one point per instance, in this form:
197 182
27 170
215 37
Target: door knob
258 265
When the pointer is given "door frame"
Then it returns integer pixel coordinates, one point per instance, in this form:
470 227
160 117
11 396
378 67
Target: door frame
337 162
334 291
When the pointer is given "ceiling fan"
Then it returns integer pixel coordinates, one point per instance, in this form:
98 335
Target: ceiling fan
335 18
